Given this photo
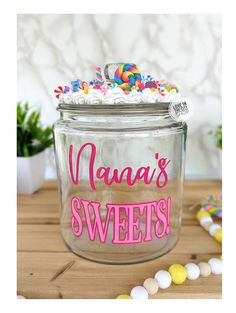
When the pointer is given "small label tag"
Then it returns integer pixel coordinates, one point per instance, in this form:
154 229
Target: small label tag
180 111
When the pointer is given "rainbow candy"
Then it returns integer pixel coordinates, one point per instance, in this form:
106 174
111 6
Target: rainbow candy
127 76
99 75
212 204
60 90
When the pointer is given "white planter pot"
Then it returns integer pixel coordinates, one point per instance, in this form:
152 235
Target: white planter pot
30 173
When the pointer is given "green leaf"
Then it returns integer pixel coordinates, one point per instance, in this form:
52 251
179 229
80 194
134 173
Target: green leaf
32 138
26 151
217 136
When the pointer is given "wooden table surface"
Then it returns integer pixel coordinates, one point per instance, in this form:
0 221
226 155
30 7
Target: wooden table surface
41 253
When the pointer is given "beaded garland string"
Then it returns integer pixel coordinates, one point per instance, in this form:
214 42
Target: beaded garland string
178 273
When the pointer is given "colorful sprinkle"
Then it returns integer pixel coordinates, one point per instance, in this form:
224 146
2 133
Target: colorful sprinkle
99 75
86 89
75 85
150 84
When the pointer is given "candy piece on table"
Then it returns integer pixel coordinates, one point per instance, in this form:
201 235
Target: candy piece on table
205 219
213 228
216 266
139 292
20 297
151 285
193 271
207 225
178 273
163 279
205 269
213 204
123 297
200 214
218 235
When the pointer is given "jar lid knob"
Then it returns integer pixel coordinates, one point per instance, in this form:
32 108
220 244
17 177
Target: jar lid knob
110 68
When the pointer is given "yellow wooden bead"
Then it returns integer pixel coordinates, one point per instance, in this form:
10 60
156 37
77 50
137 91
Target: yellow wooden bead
218 235
200 214
178 273
123 297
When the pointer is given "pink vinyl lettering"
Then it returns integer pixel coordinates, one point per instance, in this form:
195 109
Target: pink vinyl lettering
125 220
111 176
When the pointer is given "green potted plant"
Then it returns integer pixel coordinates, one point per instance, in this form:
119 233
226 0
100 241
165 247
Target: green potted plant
217 136
32 141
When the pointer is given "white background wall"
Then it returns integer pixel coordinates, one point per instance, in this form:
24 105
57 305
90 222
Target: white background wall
184 49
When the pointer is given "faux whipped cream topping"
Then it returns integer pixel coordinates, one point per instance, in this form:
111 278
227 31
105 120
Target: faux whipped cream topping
122 83
117 96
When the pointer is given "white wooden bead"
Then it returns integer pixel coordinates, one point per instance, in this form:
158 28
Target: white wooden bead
151 285
213 228
193 271
207 225
216 266
205 219
163 279
139 292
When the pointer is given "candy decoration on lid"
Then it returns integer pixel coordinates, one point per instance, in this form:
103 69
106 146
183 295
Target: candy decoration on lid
104 89
75 85
60 90
99 75
127 76
124 76
150 84
160 89
109 71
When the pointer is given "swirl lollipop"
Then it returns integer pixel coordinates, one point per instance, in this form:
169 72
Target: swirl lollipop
127 76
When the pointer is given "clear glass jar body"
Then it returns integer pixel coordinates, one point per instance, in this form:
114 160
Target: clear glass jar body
120 172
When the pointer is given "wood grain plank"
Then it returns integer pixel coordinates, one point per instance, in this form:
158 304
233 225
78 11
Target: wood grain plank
48 238
88 280
43 206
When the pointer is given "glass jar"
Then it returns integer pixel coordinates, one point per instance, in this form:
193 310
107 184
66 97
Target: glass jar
120 172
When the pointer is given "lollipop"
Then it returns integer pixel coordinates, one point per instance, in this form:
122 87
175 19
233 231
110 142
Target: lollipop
127 76
60 90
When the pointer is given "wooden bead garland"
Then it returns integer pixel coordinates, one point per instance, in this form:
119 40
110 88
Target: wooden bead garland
178 273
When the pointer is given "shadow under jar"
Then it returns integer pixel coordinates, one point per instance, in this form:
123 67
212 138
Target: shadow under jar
120 171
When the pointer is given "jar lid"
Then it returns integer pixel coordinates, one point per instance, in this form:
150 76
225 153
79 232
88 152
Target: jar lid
119 84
